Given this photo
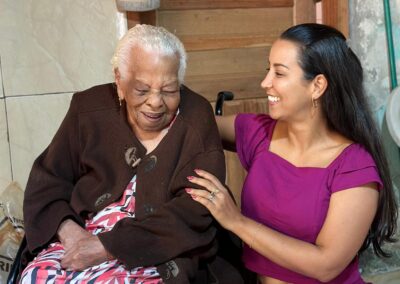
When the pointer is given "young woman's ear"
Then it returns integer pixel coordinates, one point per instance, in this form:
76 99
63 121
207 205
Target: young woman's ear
319 86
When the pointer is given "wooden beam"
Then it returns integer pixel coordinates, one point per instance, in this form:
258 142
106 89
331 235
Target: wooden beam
135 18
335 13
304 11
222 4
226 28
213 42
243 85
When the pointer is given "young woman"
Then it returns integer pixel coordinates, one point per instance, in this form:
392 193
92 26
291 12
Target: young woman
318 189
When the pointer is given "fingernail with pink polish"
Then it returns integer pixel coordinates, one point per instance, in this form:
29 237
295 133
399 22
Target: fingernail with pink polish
190 177
188 190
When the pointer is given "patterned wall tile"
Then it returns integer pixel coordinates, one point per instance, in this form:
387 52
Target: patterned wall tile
56 46
5 168
33 121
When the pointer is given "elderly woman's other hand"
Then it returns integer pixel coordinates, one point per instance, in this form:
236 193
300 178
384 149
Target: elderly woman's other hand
70 233
216 198
85 253
82 249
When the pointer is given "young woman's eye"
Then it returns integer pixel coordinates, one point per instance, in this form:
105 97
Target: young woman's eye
277 74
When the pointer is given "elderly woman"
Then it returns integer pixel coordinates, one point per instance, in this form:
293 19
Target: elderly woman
106 200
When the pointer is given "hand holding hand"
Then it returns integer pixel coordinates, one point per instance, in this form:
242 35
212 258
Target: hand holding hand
86 252
70 233
216 198
82 249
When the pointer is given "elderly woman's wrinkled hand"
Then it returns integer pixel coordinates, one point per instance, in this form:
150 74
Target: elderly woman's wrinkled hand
69 233
216 198
82 249
85 253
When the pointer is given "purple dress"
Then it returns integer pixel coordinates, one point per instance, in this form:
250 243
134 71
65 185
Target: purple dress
293 200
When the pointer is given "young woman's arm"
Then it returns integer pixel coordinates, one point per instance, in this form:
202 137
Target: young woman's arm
348 220
226 127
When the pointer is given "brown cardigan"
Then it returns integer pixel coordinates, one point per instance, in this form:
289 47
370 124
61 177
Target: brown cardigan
92 158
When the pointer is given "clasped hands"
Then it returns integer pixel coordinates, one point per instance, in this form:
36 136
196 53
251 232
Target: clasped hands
82 249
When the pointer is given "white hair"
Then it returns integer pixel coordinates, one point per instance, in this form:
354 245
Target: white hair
149 38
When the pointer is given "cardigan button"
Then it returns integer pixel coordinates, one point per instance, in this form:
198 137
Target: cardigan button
130 157
148 208
172 267
150 163
102 198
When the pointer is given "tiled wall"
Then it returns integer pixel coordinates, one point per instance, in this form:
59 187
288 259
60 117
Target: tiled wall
49 50
368 40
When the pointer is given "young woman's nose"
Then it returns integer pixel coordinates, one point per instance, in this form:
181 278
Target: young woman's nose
267 82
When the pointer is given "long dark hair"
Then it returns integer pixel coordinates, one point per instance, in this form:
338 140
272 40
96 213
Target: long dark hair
324 50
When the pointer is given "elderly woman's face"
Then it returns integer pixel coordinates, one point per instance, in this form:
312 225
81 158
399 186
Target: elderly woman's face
150 88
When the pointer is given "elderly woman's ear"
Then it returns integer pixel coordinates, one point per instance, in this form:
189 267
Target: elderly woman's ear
117 76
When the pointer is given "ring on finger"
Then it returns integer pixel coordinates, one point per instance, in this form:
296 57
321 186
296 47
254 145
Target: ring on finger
211 197
213 193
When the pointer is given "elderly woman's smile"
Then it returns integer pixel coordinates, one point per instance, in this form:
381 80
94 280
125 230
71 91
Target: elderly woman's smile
153 116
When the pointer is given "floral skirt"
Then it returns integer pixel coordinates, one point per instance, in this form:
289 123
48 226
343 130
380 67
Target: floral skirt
46 267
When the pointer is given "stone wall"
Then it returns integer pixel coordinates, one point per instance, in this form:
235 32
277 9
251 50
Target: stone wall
368 40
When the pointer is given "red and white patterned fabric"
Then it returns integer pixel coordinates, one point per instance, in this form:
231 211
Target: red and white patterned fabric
46 267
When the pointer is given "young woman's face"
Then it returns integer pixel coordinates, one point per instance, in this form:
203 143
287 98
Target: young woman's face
289 94
150 88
